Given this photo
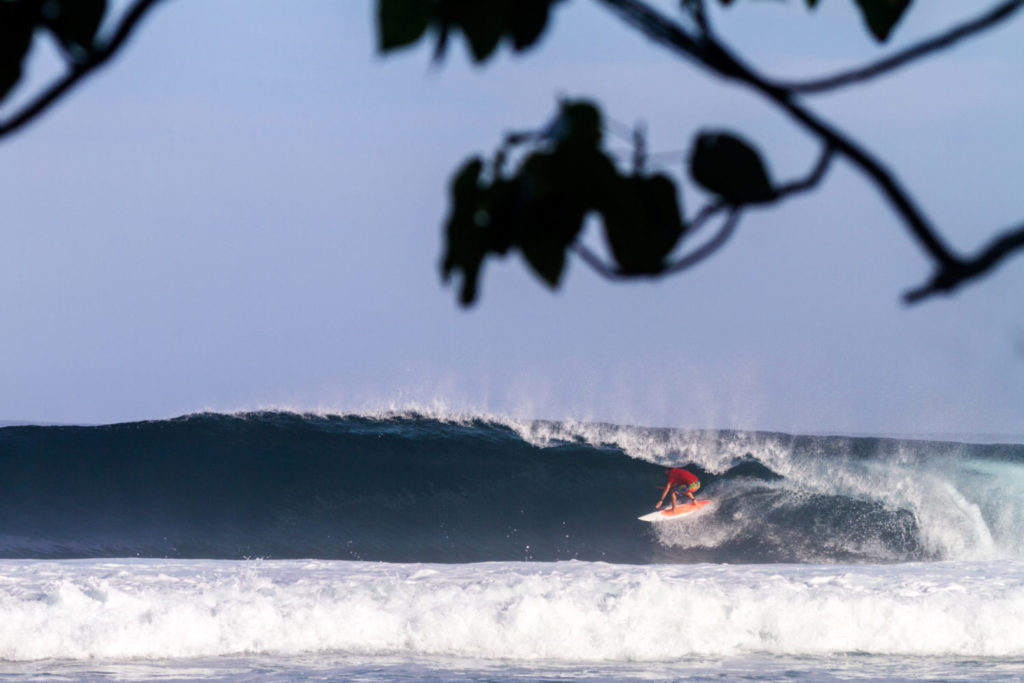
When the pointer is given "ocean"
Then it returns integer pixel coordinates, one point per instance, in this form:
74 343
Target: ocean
405 546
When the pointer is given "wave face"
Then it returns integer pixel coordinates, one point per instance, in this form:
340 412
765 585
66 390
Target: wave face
412 488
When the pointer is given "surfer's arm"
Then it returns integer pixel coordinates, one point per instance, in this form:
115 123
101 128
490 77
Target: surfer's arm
664 493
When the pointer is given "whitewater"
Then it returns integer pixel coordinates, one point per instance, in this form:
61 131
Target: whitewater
283 546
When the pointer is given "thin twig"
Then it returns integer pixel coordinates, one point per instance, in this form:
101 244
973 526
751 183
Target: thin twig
810 182
639 149
946 279
705 214
657 28
700 15
77 72
600 267
668 156
904 57
695 10
617 128
812 179
610 272
710 247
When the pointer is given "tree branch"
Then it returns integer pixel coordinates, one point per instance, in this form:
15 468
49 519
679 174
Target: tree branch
707 212
948 278
710 247
956 34
812 179
725 232
129 22
713 55
658 28
781 192
886 182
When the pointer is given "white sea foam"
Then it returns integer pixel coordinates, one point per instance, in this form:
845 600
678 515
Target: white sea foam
572 611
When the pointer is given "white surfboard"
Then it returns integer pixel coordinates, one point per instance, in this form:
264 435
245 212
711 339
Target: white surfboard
667 513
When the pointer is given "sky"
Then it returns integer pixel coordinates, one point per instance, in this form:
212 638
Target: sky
244 211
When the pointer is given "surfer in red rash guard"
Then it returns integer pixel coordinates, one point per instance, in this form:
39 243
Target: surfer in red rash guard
679 482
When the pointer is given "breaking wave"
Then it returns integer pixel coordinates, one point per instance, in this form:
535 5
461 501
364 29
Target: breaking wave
413 488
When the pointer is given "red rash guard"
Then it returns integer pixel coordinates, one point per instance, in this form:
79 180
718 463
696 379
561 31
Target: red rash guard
678 477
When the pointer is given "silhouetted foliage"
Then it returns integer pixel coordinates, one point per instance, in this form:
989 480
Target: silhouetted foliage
72 22
540 208
725 165
536 192
483 24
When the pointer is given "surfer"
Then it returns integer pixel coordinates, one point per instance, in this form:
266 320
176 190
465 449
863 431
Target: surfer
679 481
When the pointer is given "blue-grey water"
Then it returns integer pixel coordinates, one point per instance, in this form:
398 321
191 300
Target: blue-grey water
277 546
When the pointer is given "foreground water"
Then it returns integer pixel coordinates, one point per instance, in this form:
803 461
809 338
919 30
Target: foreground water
404 547
508 620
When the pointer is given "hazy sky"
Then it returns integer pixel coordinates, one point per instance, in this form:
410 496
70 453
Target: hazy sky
245 211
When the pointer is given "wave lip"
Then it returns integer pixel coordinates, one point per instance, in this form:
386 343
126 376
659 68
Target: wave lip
570 611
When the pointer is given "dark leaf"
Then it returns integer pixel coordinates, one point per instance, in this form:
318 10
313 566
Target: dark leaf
466 183
550 194
546 256
578 125
591 176
729 167
401 22
74 22
16 26
552 207
527 21
812 3
539 210
644 223
470 280
465 238
483 23
882 15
